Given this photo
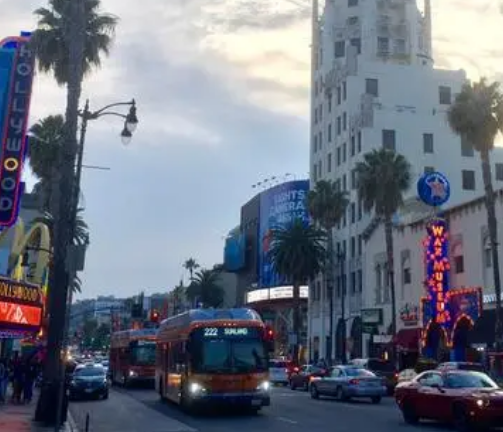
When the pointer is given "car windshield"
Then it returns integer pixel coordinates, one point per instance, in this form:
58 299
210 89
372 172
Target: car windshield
229 356
90 372
143 353
358 372
469 380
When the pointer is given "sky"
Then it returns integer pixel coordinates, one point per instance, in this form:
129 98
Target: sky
222 88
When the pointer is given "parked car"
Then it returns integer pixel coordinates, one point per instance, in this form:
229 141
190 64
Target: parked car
347 382
382 368
469 400
89 381
279 371
302 377
406 375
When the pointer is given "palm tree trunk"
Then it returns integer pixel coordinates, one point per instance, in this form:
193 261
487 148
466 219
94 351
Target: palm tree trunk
388 231
296 321
47 410
493 235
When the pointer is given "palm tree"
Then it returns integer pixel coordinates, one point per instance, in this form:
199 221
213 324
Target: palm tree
70 39
327 205
178 296
46 142
383 178
477 117
297 252
205 288
191 265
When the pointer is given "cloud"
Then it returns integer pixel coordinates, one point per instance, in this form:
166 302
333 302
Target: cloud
223 100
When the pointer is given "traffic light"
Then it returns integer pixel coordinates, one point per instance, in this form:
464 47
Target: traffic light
154 316
269 338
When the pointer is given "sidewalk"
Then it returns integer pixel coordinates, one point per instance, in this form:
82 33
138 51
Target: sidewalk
19 418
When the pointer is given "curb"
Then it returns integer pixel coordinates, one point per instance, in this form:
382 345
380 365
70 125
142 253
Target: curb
70 423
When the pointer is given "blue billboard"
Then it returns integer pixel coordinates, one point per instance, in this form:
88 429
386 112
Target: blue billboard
234 252
279 206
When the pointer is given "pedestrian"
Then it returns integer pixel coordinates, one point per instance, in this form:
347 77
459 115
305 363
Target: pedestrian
4 379
17 380
30 374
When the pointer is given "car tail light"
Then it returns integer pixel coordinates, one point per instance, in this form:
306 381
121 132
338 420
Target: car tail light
354 381
286 370
295 369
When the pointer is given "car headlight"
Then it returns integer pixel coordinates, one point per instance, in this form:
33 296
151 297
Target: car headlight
73 383
482 403
264 386
195 388
133 373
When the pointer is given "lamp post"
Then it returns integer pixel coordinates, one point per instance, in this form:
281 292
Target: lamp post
341 256
130 124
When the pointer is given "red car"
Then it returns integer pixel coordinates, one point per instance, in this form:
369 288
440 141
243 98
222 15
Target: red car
466 399
302 377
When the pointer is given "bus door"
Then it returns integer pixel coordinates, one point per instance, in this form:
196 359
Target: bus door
176 366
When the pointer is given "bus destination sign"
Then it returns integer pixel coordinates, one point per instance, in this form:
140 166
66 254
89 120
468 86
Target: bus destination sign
229 332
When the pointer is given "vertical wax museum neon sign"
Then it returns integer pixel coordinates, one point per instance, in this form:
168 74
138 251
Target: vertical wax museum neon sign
14 132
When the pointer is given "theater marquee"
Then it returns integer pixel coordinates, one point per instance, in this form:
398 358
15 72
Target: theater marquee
21 306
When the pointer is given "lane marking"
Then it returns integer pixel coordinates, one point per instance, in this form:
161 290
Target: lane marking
287 420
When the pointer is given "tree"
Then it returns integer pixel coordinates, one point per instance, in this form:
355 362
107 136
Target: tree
46 143
327 205
70 39
477 117
383 177
205 288
191 266
297 252
178 297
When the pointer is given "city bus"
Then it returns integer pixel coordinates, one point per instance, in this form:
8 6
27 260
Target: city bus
208 356
132 356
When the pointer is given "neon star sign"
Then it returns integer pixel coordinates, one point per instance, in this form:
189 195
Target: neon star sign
437 270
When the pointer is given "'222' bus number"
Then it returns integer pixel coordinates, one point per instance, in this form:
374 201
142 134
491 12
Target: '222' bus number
211 332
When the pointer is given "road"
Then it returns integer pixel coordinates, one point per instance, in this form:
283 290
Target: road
139 410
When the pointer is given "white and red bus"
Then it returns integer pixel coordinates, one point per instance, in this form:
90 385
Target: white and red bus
132 356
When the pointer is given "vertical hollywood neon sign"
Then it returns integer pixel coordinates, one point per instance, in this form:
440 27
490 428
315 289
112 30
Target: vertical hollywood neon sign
14 131
437 270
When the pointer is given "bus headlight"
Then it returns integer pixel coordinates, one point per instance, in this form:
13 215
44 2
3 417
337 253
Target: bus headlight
133 374
264 386
195 388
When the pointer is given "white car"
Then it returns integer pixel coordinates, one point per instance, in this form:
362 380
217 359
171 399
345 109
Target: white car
278 372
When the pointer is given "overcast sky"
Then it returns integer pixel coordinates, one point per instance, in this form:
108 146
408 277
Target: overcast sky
223 90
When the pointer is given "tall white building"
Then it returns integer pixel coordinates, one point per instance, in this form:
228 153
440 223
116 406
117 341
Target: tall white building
374 85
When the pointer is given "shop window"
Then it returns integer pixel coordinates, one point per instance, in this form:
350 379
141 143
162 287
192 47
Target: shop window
459 264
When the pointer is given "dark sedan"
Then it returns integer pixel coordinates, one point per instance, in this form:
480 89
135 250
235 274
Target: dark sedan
303 376
89 381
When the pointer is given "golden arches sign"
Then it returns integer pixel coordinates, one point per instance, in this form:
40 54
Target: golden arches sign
36 240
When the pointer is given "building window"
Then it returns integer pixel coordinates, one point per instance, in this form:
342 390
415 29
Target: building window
339 95
357 43
338 156
329 162
344 90
353 213
352 20
344 185
444 95
372 87
329 101
468 179
428 143
320 168
360 210
344 121
360 281
339 125
360 244
315 143
320 140
320 111
459 264
399 47
466 148
488 257
389 139
359 142
344 150
406 276
353 145
352 247
329 138
382 45
352 3
353 179
429 169
499 171
340 49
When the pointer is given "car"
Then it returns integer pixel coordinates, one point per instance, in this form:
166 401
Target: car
347 382
380 367
279 372
406 375
89 381
302 377
469 400
470 366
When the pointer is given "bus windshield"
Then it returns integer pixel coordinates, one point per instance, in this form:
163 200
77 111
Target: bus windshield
227 355
143 353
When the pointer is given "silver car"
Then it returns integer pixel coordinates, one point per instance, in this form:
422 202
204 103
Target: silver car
346 382
278 372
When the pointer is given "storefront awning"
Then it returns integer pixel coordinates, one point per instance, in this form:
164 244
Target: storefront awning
407 339
483 330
